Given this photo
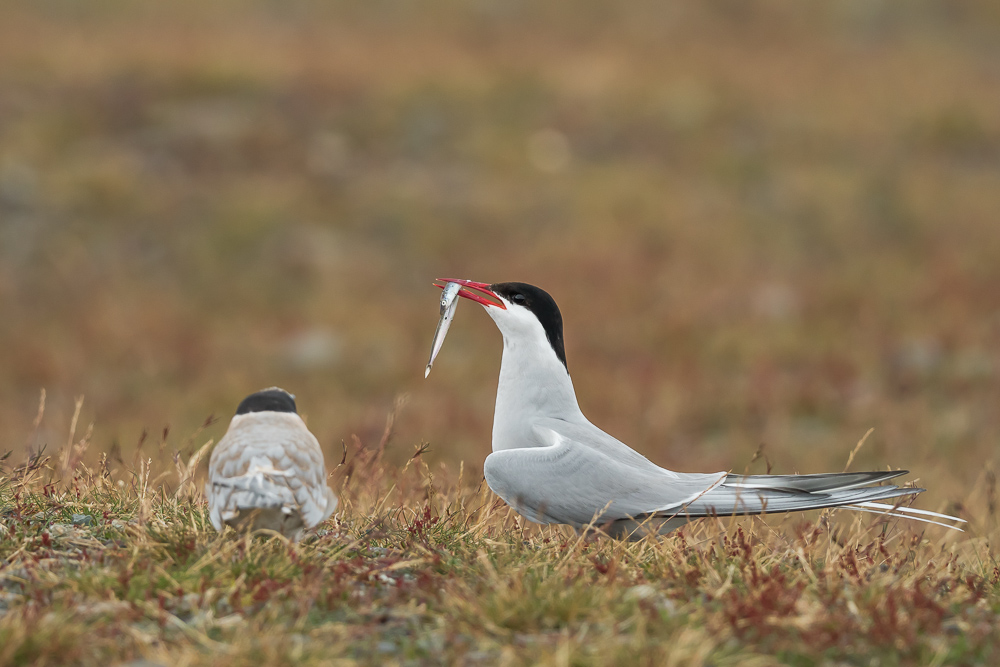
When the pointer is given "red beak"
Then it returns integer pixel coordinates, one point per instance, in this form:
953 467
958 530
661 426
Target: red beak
478 298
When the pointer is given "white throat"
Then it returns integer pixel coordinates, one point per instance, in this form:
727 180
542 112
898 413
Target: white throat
533 384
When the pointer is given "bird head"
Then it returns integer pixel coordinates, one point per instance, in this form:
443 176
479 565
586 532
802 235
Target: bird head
525 314
272 399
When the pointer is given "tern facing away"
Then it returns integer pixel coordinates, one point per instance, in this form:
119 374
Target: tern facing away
553 466
267 472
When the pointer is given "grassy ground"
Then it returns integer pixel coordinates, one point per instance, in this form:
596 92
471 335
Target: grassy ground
422 566
767 224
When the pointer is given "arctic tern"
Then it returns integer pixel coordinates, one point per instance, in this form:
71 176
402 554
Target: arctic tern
267 472
553 466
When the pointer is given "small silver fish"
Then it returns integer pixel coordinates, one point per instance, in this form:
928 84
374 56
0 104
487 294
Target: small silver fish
449 302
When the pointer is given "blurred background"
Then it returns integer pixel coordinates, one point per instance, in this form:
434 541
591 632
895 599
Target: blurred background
765 222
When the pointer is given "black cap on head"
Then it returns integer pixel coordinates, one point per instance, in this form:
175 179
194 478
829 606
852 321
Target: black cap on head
273 399
542 305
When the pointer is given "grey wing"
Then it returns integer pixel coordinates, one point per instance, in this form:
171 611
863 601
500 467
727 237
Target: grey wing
224 456
595 439
837 481
576 482
576 473
315 499
758 494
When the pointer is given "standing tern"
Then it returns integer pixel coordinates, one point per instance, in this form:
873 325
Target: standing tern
553 466
267 472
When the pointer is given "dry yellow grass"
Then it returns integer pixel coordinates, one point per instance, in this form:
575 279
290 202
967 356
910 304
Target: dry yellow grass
426 566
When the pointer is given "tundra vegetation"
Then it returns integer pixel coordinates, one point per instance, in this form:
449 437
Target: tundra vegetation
424 565
771 226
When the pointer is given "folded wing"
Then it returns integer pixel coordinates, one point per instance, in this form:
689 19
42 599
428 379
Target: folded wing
578 475
564 481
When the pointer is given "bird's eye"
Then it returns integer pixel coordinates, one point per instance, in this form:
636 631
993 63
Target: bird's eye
519 297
